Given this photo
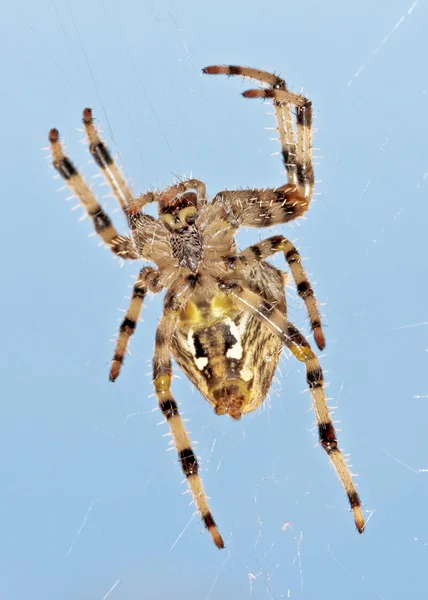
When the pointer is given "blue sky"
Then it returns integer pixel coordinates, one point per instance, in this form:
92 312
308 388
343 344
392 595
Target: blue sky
92 503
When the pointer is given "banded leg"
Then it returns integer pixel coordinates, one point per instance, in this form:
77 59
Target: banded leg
300 162
162 374
296 149
262 208
261 251
148 279
120 245
104 160
298 345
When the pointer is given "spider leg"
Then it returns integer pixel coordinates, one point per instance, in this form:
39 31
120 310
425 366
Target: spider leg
120 245
148 279
246 72
104 160
297 160
261 208
183 186
259 252
162 375
168 194
299 346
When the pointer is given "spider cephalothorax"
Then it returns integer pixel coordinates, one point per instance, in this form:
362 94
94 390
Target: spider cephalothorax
179 216
224 315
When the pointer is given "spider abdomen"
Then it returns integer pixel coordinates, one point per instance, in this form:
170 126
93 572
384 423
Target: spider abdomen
227 353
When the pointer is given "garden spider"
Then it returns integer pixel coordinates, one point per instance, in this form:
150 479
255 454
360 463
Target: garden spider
224 314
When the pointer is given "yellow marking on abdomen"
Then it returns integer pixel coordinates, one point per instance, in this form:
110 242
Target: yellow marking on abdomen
191 315
222 306
196 315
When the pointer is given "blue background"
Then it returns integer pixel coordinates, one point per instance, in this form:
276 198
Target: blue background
91 505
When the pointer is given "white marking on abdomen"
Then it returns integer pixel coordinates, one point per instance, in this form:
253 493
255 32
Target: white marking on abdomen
236 350
200 362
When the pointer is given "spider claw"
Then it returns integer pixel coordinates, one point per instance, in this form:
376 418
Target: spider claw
213 70
319 338
53 135
359 519
255 93
115 369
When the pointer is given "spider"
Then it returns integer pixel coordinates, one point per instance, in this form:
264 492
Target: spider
224 314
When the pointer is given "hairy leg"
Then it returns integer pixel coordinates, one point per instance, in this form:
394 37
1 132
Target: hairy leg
162 375
264 207
298 345
278 243
120 245
148 279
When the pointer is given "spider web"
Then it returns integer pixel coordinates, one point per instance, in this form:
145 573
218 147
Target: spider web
94 506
